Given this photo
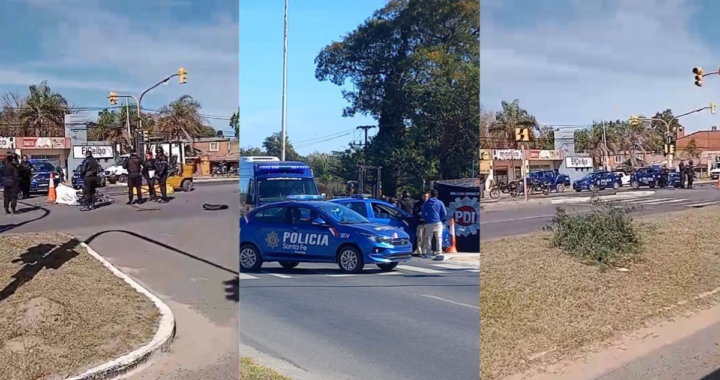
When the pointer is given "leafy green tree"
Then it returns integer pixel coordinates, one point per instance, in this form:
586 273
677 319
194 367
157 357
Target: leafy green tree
659 130
252 151
43 114
273 147
691 149
235 124
545 138
181 119
414 65
506 121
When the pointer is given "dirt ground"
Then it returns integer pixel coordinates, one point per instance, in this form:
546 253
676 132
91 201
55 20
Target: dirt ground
250 370
62 312
539 306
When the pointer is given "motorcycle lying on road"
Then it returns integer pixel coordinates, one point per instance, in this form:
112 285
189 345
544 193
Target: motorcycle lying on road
511 188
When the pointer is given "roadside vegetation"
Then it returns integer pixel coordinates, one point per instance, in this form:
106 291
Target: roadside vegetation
250 370
589 279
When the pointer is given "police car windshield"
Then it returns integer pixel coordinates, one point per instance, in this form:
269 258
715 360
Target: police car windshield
590 176
273 190
343 214
43 167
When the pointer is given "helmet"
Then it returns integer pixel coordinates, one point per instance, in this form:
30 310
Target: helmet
159 150
88 153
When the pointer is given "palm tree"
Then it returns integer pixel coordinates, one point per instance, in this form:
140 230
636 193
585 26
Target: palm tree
635 138
512 116
180 119
44 112
10 105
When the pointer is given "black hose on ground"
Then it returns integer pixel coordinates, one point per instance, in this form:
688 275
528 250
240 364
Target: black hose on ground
213 207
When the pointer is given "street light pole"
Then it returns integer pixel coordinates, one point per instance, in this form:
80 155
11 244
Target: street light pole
283 132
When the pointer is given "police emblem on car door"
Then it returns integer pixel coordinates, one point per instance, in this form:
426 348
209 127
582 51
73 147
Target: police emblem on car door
308 236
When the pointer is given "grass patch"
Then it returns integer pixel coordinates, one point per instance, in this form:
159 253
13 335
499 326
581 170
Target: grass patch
540 304
61 311
250 370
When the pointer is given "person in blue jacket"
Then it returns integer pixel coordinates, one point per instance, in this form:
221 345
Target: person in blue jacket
434 214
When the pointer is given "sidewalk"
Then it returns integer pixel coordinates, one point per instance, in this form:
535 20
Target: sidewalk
466 258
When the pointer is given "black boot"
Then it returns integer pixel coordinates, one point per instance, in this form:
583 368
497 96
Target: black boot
7 212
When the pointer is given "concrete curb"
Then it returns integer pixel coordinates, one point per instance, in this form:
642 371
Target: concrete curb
448 257
160 343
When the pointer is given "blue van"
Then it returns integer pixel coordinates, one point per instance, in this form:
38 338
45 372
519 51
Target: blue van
266 180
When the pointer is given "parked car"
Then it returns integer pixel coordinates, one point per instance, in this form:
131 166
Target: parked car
40 181
644 177
382 212
599 180
558 181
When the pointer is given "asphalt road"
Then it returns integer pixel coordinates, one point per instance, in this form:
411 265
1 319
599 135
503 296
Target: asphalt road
186 256
421 322
696 356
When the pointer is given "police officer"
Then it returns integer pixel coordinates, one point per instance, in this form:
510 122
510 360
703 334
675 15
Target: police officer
26 169
690 174
664 175
162 169
89 171
10 179
148 167
134 167
683 174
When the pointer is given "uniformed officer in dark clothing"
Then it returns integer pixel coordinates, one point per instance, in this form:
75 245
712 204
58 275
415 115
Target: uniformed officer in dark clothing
664 176
690 168
134 167
162 169
89 171
683 174
406 203
10 179
149 165
26 169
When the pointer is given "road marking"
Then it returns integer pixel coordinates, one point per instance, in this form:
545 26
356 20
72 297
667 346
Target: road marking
452 266
452 302
474 270
388 273
419 269
516 219
702 204
647 201
279 275
244 276
662 201
340 275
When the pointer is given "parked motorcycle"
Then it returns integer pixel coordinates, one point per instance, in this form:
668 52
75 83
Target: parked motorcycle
543 187
511 188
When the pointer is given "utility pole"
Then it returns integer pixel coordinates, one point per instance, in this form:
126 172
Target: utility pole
283 132
365 129
127 116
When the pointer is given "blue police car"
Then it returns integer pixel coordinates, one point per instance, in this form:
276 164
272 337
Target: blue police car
305 229
77 180
599 180
382 212
40 181
649 177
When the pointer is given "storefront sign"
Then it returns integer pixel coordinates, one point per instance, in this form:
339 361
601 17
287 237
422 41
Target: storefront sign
579 162
485 155
43 143
507 154
7 143
98 151
544 155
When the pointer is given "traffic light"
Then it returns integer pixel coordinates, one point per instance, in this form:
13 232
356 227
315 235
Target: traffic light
522 134
713 108
113 98
634 120
182 73
698 71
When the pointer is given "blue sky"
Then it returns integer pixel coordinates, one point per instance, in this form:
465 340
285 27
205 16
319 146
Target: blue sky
575 61
87 48
314 109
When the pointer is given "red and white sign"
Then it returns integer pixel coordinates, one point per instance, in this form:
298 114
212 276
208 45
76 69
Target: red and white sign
535 154
7 143
43 143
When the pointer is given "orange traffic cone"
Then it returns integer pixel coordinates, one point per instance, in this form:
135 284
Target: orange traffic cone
452 248
52 197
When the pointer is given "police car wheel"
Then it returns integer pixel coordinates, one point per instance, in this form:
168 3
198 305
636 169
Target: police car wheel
250 259
350 260
288 264
560 188
616 185
635 185
387 267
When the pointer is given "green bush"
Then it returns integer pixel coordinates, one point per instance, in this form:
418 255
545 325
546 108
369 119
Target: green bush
605 236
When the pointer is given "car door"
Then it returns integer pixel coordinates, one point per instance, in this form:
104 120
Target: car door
391 216
268 226
308 239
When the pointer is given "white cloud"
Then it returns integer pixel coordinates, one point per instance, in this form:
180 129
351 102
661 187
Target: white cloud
607 60
104 47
